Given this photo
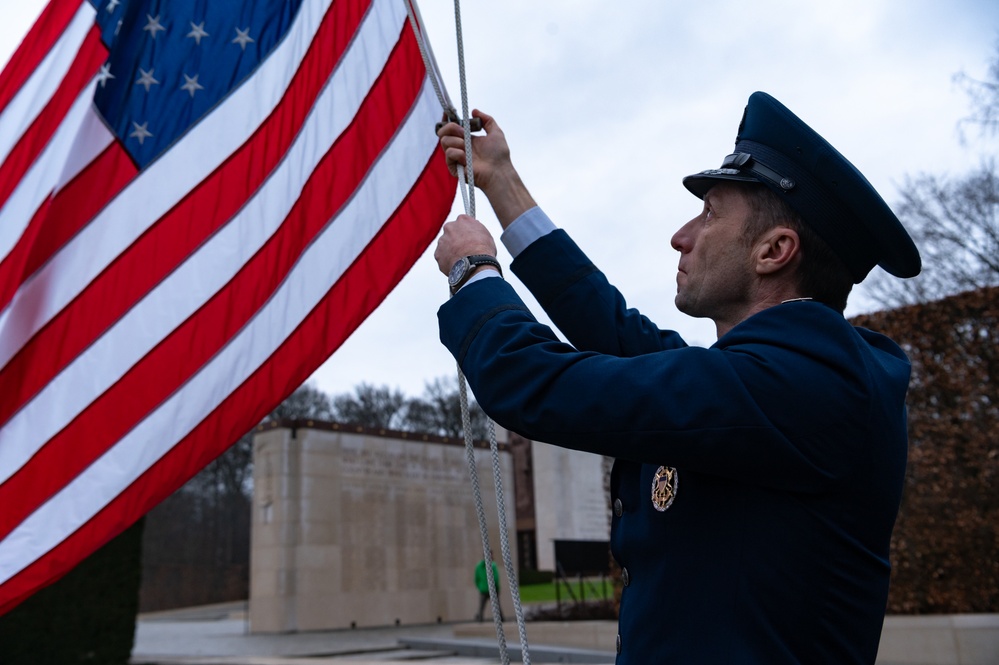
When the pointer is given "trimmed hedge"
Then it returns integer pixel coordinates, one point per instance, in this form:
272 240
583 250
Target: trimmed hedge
87 617
944 547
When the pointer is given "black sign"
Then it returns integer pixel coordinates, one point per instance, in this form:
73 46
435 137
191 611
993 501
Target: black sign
583 557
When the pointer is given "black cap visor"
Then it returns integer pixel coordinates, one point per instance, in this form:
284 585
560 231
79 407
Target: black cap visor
699 183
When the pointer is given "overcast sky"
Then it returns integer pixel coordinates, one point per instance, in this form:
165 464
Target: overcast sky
607 105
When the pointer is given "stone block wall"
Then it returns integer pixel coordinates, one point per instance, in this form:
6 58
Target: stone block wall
363 528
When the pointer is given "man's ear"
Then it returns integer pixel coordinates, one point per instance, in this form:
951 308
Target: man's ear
776 249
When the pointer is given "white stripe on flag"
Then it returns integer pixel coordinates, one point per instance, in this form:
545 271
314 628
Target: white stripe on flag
214 264
318 269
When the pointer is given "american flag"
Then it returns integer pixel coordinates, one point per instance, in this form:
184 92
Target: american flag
199 201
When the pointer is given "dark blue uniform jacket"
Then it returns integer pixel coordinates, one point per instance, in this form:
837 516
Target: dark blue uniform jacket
789 436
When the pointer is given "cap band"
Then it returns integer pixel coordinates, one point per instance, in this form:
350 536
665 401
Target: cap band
743 161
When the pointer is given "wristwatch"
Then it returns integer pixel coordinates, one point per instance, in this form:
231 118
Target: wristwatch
466 266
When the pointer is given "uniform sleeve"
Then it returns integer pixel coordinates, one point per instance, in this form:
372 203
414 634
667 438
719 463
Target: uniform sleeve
729 412
589 311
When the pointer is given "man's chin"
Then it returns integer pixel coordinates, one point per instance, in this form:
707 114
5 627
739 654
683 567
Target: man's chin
681 302
685 306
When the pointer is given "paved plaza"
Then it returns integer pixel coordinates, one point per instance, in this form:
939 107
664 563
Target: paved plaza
219 635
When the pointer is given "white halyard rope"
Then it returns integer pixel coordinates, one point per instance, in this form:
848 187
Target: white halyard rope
466 423
465 120
467 186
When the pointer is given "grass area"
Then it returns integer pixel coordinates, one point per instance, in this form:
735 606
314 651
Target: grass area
544 593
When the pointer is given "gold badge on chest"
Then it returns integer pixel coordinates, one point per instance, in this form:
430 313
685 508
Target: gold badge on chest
665 485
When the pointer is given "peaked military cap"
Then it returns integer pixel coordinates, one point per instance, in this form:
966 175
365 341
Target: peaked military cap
776 148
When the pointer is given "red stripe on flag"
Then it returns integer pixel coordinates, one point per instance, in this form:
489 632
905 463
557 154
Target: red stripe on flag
400 242
12 266
36 45
182 230
92 53
147 384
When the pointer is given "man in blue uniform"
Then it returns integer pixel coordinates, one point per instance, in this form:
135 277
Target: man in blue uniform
756 482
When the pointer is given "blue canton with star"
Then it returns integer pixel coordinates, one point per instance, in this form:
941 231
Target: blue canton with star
172 61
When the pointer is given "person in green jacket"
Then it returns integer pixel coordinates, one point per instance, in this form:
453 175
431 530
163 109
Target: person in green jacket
482 584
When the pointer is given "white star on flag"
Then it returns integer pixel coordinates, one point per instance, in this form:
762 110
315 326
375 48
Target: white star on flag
242 38
191 84
105 74
197 32
146 79
140 132
153 25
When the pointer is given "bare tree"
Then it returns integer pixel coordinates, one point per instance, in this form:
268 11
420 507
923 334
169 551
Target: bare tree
984 98
371 406
953 220
438 411
955 224
307 402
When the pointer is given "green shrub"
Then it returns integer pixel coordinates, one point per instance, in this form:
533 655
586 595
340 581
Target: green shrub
528 576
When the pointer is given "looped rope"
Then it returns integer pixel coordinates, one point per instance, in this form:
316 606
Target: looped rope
467 187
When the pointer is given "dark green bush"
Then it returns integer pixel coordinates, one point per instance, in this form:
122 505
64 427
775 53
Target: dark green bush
85 618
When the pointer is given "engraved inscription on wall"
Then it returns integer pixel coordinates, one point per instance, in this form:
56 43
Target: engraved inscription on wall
408 464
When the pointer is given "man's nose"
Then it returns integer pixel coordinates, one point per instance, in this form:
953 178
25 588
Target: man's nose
681 240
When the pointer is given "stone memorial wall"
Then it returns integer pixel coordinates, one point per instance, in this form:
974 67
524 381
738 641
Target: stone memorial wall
366 528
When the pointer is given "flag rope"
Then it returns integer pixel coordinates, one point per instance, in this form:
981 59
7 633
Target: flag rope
467 188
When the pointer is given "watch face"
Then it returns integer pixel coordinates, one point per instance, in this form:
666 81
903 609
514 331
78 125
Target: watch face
458 271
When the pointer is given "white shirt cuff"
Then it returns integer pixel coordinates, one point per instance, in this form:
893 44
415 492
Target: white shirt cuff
524 230
480 274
